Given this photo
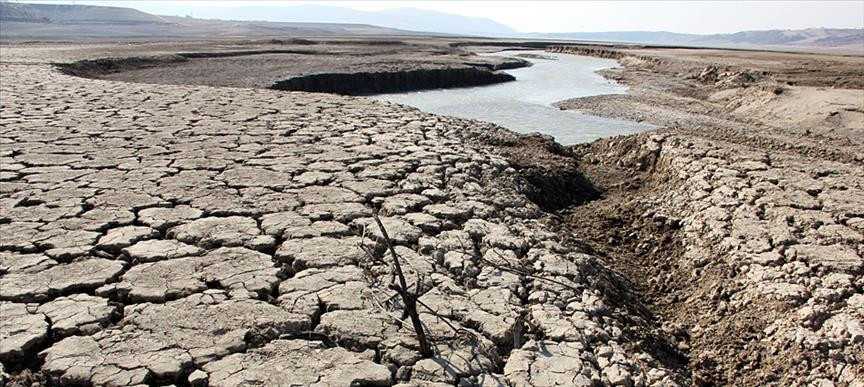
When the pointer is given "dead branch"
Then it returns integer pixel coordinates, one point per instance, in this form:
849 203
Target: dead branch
408 298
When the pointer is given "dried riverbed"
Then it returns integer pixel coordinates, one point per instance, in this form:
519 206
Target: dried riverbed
666 258
186 234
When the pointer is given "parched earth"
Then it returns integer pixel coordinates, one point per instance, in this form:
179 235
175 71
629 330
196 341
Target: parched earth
751 258
194 235
160 235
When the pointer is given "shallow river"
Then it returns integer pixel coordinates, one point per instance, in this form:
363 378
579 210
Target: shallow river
524 105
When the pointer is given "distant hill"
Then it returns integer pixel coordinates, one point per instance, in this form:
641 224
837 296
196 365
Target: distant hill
35 21
822 37
253 20
402 18
849 38
78 14
647 37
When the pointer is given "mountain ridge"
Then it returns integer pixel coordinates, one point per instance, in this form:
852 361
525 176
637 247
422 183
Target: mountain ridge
405 18
51 21
74 13
815 37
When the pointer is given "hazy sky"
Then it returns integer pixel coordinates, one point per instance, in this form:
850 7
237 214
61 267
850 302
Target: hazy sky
588 16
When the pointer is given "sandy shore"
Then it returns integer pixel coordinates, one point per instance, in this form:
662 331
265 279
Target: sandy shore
214 235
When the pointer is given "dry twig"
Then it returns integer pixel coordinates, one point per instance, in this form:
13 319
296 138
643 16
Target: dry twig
409 299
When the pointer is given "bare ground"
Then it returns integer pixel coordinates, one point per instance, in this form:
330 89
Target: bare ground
723 250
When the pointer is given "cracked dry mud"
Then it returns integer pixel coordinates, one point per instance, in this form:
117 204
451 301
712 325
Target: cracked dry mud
172 234
752 258
191 235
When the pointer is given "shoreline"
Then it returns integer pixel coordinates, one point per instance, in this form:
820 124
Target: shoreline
530 103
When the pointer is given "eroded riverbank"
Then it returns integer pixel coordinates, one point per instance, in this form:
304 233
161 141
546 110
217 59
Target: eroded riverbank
743 235
352 67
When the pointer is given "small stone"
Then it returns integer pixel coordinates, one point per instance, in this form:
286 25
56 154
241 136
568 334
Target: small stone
455 261
198 378
403 373
618 375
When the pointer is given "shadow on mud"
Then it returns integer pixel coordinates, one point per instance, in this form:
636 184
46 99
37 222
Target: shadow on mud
368 83
555 190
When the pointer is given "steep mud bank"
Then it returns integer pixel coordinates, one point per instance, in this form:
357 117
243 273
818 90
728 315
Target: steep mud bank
603 52
294 70
367 83
514 63
517 45
93 68
554 181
